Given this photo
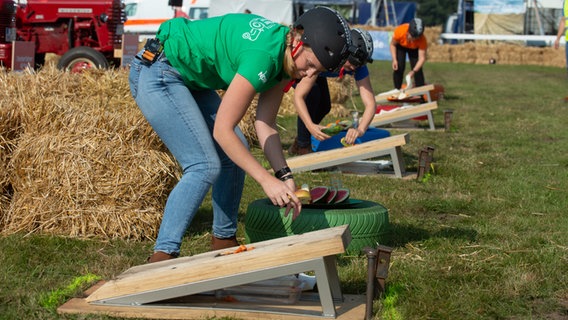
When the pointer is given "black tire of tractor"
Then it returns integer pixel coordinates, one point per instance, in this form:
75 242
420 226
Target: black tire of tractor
368 222
82 54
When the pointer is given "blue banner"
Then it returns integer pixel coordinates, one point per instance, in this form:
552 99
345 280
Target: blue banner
381 44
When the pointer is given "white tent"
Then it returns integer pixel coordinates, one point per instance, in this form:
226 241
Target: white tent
275 10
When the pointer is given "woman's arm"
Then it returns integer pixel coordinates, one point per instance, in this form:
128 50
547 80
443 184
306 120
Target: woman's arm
393 45
368 98
233 107
561 31
420 62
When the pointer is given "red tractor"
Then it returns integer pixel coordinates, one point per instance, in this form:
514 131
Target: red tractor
84 33
7 31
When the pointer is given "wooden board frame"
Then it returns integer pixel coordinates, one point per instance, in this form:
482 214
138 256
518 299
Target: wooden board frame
141 291
405 113
389 146
418 91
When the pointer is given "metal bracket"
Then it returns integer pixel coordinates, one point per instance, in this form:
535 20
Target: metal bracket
425 158
378 262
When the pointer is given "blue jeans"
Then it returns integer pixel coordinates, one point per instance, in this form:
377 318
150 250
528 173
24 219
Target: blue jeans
566 53
184 119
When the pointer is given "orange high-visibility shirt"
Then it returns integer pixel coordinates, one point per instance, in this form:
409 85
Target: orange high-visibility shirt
400 37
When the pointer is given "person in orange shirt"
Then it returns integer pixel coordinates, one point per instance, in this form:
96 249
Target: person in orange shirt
408 39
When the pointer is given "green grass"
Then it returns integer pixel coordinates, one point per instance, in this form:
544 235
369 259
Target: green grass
484 237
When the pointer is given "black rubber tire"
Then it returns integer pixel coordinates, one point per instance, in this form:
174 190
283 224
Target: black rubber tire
89 56
368 222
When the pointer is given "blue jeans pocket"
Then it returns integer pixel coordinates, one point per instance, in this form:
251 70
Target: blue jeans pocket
134 77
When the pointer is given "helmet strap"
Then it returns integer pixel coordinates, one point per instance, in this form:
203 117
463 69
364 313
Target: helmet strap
296 48
341 72
293 81
289 85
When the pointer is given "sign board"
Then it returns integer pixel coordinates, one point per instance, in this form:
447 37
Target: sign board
23 55
381 44
129 48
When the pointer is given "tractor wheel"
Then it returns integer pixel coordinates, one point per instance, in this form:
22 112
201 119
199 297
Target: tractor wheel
81 58
368 222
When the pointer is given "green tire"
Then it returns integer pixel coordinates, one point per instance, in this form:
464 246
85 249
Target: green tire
368 222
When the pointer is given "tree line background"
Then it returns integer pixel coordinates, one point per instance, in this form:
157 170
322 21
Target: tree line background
435 12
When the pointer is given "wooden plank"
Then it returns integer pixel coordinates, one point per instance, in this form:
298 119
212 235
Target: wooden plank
352 307
207 266
334 157
418 91
408 112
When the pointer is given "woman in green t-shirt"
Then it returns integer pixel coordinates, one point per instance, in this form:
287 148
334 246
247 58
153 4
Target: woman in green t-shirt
174 83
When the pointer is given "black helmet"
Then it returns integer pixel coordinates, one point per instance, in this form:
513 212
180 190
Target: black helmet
416 28
362 47
326 32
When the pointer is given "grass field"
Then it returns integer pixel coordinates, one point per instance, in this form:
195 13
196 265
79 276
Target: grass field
485 236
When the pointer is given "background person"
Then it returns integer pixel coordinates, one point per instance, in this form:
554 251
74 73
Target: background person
313 102
408 39
175 89
562 31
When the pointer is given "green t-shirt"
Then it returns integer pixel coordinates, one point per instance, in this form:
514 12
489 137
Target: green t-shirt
209 53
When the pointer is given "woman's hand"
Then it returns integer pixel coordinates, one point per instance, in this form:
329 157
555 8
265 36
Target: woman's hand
315 130
352 134
282 194
394 64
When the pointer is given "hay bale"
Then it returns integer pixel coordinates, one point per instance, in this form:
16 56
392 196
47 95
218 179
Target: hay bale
10 130
511 54
438 53
88 186
87 164
484 53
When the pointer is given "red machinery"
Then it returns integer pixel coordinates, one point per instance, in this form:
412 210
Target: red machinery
7 31
84 33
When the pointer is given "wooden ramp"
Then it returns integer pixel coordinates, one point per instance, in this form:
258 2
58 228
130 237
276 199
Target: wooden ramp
405 113
413 92
170 289
390 146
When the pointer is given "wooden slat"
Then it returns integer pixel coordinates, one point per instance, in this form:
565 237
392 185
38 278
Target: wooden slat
334 157
418 91
206 266
351 307
405 113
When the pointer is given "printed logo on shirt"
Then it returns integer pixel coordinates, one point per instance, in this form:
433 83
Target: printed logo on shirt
262 76
258 25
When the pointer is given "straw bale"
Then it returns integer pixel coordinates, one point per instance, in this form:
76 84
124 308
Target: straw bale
484 53
437 53
10 129
86 164
87 186
511 54
555 58
287 105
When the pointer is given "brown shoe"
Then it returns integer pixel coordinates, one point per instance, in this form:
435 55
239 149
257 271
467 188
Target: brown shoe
293 150
296 150
161 256
303 151
217 244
